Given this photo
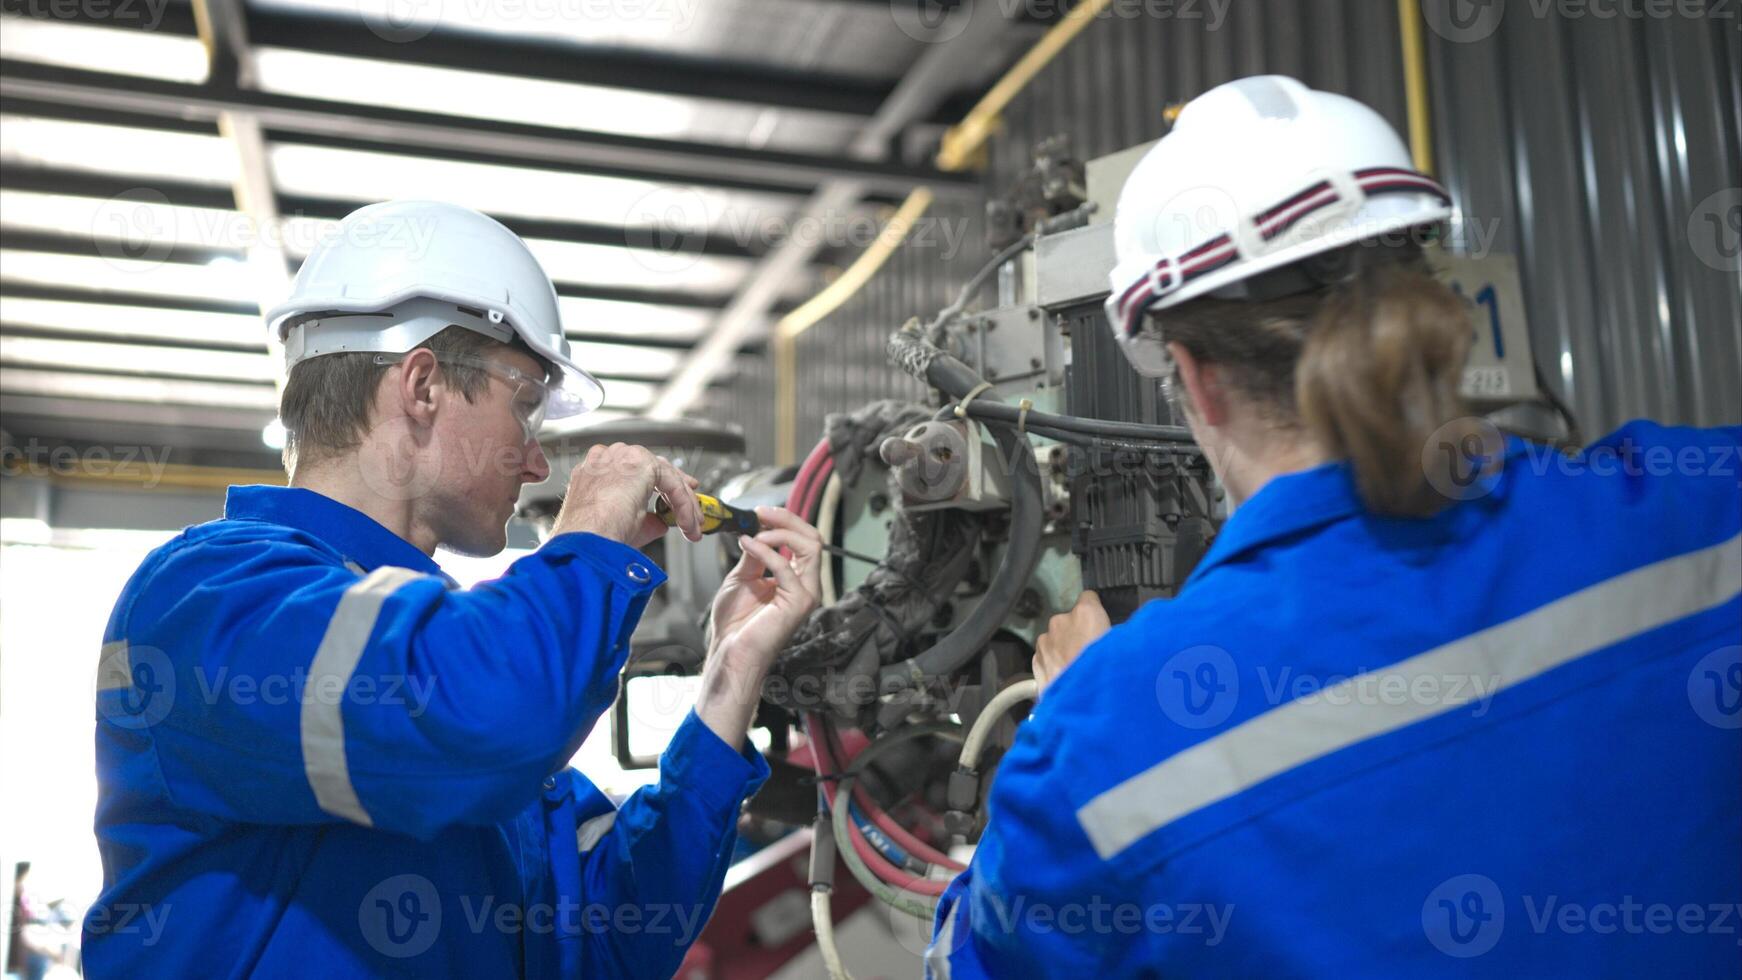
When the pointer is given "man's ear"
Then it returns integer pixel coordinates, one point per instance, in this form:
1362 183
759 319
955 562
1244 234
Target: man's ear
416 386
1206 395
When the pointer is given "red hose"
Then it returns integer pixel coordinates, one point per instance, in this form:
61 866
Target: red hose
827 764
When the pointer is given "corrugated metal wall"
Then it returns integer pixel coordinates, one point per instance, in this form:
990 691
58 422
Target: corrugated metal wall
1605 152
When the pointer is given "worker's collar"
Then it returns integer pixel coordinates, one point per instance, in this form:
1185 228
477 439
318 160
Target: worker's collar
354 534
1297 502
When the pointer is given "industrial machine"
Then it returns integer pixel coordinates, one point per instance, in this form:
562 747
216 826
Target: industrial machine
1041 465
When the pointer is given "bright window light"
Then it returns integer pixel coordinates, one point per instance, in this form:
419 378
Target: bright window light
135 322
149 53
141 277
363 175
92 148
584 263
423 88
637 320
136 359
626 395
137 226
157 391
273 435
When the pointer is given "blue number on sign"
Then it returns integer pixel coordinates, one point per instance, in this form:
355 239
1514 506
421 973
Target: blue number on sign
1487 297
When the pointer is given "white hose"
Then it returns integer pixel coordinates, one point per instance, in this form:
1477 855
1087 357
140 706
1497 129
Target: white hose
824 923
831 504
1003 701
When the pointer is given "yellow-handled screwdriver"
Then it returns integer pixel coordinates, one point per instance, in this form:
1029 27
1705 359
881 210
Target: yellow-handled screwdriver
716 516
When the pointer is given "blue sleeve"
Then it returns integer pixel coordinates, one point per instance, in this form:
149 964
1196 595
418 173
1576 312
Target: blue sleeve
301 692
1036 899
664 854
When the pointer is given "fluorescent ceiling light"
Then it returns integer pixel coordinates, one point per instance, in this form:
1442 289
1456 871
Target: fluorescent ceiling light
584 263
140 225
624 360
641 321
480 95
213 281
593 21
364 175
149 53
627 395
72 384
92 148
136 322
136 358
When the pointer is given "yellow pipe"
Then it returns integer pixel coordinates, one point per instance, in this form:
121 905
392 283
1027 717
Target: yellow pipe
963 142
827 301
1421 143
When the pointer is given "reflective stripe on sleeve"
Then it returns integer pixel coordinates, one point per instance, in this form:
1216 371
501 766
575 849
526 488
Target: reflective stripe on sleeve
937 958
1506 654
114 667
323 722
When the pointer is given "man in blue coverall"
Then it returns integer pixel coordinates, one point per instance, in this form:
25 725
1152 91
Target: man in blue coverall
1435 702
318 757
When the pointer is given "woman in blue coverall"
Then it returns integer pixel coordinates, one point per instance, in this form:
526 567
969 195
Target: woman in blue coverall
1436 701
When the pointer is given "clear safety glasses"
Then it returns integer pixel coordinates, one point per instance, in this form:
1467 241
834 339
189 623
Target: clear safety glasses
531 396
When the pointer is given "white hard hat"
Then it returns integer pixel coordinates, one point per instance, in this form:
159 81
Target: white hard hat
1256 175
395 274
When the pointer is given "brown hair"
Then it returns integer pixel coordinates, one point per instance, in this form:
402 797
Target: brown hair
1369 368
327 399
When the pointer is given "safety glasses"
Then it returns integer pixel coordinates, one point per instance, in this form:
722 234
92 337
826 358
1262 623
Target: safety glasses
531 399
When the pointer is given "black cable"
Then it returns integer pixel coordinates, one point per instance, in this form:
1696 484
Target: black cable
991 411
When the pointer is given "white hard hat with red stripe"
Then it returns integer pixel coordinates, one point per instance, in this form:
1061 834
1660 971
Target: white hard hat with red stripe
395 274
1256 175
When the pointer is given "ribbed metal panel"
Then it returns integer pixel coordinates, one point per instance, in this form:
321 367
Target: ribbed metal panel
1604 154
1596 149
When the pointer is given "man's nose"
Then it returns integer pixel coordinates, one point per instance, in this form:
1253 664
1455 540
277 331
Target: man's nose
537 467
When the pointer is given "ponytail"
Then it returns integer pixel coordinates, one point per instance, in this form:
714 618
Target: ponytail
1370 368
1378 375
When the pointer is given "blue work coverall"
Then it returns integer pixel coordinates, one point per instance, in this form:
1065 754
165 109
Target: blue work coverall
1503 741
317 757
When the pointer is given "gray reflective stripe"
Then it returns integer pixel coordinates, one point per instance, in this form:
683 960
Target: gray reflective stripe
1509 653
937 956
594 831
323 722
114 667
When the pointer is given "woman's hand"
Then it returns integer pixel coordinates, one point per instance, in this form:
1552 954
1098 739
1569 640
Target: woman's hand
1067 636
754 615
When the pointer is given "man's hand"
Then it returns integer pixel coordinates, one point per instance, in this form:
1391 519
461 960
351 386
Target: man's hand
608 493
753 616
1067 635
